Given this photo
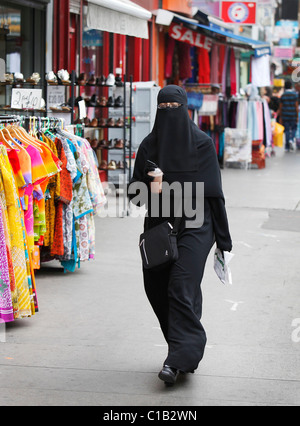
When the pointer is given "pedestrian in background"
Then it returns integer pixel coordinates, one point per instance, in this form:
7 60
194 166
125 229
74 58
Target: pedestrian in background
288 113
185 154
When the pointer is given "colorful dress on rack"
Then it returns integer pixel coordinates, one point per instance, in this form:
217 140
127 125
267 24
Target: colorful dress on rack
16 226
6 306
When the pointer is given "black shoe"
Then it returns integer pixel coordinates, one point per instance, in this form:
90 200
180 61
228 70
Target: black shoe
168 375
119 101
93 101
110 102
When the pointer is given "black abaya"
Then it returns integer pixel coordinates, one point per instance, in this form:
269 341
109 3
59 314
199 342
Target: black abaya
175 292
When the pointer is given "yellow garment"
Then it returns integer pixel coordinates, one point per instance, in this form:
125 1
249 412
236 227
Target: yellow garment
53 189
16 235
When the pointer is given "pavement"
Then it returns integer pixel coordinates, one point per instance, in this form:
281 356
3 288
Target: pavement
96 342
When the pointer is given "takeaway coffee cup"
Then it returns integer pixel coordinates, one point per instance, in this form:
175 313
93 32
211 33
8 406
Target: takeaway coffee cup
156 184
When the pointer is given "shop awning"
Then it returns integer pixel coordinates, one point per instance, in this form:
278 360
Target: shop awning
120 17
214 30
260 48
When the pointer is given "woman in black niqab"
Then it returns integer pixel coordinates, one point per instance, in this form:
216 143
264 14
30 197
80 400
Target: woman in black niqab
185 154
182 151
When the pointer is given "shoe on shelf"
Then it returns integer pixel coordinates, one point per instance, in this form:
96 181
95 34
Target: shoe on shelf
103 165
168 375
86 121
63 77
119 82
120 165
102 122
81 81
19 78
94 122
110 102
9 78
112 165
119 101
111 122
51 78
93 101
110 81
119 143
120 122
91 81
100 81
103 101
34 78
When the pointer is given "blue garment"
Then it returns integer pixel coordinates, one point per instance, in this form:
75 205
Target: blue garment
288 106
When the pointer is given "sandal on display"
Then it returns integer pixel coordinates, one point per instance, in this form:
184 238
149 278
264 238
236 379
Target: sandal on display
34 79
112 165
51 78
64 76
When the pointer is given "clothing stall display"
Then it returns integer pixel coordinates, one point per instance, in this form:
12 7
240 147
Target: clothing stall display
49 193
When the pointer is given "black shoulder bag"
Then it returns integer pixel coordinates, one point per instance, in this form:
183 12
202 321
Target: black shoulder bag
158 245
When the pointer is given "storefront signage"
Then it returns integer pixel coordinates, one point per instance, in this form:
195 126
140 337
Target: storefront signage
284 52
26 98
186 35
234 12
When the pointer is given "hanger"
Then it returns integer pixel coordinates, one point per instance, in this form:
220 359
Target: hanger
3 139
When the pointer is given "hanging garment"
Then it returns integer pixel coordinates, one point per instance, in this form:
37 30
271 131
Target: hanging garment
260 71
203 66
233 77
185 63
6 306
169 57
224 71
214 70
17 238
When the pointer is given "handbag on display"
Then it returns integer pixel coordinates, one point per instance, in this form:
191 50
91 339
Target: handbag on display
158 245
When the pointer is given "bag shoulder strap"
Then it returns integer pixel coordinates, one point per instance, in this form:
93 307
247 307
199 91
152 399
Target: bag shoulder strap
176 225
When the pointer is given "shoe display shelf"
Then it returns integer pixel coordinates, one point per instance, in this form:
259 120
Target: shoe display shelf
109 128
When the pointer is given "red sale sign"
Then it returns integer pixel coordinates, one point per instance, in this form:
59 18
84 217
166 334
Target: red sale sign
239 12
180 33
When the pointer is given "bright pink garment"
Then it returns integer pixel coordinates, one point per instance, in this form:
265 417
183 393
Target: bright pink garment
233 73
6 308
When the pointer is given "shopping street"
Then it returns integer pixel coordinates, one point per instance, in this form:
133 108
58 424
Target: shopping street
96 340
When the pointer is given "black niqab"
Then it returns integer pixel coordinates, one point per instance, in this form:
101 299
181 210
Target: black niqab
182 151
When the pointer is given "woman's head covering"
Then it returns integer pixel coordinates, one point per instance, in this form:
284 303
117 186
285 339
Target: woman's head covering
172 130
182 151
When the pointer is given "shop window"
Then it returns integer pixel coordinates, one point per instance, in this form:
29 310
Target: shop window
22 40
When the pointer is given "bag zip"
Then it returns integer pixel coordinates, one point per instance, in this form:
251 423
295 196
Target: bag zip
142 243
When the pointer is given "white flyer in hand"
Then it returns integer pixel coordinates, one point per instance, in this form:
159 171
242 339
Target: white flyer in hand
221 261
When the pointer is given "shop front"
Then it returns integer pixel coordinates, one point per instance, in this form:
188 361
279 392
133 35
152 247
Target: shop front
22 40
203 55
